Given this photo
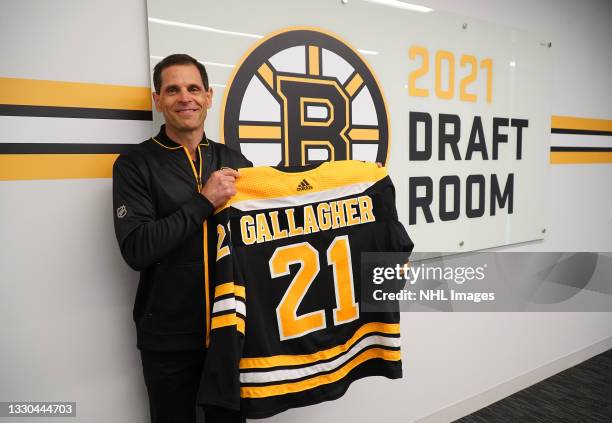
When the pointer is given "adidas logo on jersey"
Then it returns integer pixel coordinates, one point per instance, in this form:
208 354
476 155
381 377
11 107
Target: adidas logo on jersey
304 185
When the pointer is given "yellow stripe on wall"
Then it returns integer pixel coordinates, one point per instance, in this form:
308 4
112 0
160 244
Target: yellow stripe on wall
579 123
33 92
259 132
580 157
82 166
56 166
359 134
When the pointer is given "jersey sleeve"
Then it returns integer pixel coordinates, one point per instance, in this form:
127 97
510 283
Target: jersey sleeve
220 383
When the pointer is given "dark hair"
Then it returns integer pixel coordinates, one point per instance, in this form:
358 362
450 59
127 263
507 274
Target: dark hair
177 59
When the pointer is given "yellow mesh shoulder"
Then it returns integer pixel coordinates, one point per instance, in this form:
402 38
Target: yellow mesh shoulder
255 183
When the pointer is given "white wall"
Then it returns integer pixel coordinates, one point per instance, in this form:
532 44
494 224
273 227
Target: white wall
66 296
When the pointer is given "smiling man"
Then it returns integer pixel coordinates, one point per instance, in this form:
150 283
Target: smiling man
164 192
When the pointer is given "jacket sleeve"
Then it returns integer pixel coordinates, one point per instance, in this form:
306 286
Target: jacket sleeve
143 238
220 381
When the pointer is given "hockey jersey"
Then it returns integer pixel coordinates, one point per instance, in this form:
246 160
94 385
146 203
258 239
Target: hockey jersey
286 327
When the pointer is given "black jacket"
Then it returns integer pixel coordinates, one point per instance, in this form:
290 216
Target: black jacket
160 220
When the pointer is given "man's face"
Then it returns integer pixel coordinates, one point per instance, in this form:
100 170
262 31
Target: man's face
182 98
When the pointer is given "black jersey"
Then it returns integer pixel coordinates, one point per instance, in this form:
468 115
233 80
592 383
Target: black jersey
286 325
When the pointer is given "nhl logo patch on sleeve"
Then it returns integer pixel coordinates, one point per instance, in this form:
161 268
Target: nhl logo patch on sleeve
121 212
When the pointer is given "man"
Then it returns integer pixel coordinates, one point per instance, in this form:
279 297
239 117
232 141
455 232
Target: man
164 193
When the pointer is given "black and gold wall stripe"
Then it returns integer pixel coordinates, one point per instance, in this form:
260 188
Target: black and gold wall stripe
62 99
21 161
15 167
580 127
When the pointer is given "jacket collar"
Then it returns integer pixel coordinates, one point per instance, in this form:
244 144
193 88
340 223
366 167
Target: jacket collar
165 141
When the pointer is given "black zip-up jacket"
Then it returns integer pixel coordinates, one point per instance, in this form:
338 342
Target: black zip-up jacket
161 220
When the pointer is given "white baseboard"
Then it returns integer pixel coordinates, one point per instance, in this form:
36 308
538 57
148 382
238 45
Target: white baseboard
476 402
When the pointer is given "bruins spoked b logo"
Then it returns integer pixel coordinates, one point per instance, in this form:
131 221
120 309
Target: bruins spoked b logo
303 96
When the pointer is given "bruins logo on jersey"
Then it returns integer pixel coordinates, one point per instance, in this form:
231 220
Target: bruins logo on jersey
302 96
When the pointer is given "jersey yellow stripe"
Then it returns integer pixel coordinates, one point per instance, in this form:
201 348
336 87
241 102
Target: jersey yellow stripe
578 123
282 375
292 360
239 291
224 289
225 320
230 288
240 324
580 157
15 167
303 385
36 92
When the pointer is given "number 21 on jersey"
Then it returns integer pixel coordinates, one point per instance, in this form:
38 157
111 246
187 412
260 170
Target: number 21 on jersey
291 325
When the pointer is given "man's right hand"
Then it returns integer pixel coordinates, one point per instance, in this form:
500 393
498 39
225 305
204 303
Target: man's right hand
220 187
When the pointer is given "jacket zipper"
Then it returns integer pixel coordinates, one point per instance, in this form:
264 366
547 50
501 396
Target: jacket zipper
196 174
